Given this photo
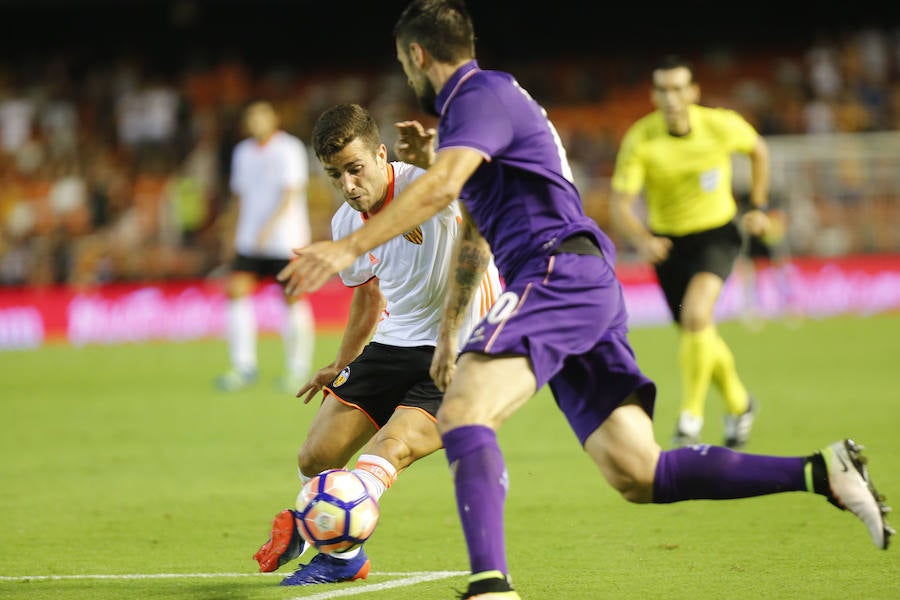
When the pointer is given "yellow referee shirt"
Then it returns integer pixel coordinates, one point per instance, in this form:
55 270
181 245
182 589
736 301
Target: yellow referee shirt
687 179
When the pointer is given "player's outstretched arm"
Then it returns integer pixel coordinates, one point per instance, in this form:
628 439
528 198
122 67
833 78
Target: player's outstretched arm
652 248
365 310
419 201
471 257
755 220
313 265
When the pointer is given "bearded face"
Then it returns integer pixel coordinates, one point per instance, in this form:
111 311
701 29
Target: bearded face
418 81
427 98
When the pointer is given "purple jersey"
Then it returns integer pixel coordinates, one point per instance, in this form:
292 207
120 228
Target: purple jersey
522 197
564 311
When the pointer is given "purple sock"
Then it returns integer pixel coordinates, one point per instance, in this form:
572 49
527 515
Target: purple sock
714 473
481 481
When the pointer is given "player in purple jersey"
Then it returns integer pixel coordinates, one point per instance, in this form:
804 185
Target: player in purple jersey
562 318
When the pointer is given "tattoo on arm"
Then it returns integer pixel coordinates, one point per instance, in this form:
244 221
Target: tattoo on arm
472 259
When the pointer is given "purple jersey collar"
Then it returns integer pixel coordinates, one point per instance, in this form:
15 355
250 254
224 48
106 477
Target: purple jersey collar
452 85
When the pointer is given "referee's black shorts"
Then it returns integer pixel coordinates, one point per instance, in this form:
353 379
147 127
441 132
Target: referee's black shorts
711 251
384 377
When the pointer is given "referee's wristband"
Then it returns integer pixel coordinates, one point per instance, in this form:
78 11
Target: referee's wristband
764 208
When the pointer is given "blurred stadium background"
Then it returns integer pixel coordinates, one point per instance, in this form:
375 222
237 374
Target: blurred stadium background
127 474
117 120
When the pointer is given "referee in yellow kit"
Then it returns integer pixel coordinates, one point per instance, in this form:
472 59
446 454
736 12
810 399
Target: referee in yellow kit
679 156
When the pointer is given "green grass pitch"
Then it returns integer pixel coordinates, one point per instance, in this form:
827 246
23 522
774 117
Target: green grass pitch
124 474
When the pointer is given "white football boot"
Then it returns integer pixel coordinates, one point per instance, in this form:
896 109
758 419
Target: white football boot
851 489
737 427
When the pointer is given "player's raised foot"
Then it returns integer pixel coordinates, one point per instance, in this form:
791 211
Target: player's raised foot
284 545
491 585
681 439
324 568
737 427
687 430
852 489
235 380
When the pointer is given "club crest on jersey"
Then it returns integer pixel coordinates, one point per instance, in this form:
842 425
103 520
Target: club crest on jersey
414 236
342 377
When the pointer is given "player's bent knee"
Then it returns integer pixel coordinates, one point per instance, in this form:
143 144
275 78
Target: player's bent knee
635 478
457 412
636 491
394 450
404 451
311 464
240 285
450 417
695 320
630 481
629 473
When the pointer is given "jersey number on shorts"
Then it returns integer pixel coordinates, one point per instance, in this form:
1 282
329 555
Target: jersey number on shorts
502 308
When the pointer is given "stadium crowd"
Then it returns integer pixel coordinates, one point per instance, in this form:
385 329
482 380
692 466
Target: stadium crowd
118 171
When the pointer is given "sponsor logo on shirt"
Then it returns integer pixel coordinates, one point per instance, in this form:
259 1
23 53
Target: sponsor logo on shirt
709 180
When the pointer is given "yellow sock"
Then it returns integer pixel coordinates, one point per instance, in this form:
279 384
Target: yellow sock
697 356
726 379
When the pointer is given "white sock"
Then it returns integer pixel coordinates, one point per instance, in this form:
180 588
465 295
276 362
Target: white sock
348 555
299 336
303 478
376 472
242 334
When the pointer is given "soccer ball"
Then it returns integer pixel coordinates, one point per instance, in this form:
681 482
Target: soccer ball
334 511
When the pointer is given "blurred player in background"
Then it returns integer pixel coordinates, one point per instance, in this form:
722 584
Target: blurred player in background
561 319
382 387
680 157
269 175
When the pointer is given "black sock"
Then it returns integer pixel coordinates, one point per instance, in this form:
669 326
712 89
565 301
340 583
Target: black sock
819 475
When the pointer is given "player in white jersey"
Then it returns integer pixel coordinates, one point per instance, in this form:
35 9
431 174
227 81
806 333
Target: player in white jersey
269 175
378 393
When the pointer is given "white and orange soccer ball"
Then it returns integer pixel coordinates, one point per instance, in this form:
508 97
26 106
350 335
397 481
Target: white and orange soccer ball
334 511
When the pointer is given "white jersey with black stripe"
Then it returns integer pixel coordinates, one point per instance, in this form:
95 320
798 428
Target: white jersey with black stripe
413 271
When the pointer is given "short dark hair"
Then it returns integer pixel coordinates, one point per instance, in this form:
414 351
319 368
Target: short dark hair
673 61
340 125
443 27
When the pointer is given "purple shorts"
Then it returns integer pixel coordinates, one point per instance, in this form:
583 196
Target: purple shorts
567 314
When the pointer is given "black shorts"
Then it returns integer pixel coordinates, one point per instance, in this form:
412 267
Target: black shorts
758 248
383 378
261 267
711 251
